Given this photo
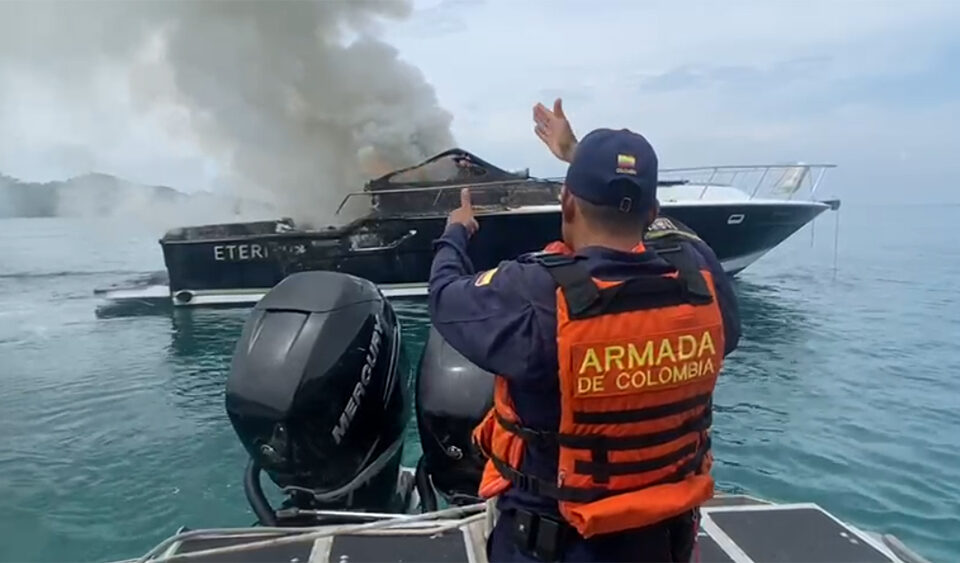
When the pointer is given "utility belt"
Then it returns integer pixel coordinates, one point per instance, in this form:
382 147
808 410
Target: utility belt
545 538
537 535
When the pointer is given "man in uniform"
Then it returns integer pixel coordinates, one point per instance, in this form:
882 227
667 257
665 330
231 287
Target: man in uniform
513 321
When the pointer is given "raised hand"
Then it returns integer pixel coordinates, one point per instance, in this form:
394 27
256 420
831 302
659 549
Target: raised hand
554 130
463 215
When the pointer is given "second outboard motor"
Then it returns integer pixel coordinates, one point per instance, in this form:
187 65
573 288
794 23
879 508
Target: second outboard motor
453 395
317 397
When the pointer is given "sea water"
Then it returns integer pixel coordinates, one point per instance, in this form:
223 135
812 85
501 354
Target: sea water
844 390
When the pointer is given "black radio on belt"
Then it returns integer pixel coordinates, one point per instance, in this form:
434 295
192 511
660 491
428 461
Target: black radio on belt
538 536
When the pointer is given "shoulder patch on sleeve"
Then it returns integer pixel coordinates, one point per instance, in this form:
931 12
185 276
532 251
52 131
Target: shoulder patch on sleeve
530 257
662 223
484 278
666 229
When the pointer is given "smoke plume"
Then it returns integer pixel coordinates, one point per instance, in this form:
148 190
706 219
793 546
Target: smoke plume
298 100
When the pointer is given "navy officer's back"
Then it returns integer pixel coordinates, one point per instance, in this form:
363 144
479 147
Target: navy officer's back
505 321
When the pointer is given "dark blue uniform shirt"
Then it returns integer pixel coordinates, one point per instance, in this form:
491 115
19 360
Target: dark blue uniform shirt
506 323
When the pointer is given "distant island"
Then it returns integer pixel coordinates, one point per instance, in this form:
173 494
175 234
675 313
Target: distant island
90 194
103 195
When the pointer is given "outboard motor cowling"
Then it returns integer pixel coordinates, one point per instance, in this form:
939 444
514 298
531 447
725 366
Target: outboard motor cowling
453 395
316 396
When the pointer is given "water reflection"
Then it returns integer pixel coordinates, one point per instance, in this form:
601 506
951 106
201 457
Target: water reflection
415 320
200 351
204 333
109 309
770 314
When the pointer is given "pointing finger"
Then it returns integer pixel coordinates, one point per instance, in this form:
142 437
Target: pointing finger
465 198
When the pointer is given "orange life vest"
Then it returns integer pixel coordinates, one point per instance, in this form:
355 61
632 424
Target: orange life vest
638 362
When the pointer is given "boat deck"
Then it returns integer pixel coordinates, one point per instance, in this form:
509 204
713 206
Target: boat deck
734 529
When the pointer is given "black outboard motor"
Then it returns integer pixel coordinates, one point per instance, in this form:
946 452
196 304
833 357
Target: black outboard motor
453 395
317 397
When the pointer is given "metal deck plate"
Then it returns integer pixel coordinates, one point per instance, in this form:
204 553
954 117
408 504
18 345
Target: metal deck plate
284 553
735 500
790 534
708 551
448 546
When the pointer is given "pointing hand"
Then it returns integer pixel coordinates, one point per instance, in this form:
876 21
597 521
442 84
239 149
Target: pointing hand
464 214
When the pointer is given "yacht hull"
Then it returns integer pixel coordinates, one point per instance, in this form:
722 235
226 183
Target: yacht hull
396 252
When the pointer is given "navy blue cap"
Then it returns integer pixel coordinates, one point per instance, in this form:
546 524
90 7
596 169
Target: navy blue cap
615 168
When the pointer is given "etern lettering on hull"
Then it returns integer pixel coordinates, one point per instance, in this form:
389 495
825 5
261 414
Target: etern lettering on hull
239 252
251 251
360 389
660 362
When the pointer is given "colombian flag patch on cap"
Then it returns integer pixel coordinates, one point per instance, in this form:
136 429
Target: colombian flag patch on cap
626 164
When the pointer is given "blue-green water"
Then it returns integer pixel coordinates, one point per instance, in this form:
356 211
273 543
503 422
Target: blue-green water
844 390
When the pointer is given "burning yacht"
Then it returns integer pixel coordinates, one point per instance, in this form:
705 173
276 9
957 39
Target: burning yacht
742 212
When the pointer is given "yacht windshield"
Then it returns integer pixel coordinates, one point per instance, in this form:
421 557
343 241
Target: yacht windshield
445 169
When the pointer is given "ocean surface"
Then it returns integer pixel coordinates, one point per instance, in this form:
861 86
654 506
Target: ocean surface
844 391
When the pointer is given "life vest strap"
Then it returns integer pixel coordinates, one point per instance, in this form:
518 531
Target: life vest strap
689 272
585 299
579 289
542 487
644 414
697 423
603 468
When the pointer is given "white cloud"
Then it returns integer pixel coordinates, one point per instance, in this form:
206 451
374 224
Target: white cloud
707 82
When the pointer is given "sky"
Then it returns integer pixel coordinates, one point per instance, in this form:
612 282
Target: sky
873 87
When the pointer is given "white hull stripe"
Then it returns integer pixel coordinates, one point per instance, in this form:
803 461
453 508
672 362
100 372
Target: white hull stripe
676 204
741 262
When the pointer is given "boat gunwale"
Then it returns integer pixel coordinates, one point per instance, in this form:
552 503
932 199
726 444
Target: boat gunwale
472 516
366 221
520 183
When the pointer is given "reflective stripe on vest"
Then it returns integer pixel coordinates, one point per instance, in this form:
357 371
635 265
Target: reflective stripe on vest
638 363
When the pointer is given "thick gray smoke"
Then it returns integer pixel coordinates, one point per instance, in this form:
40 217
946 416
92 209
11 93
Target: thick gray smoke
298 99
